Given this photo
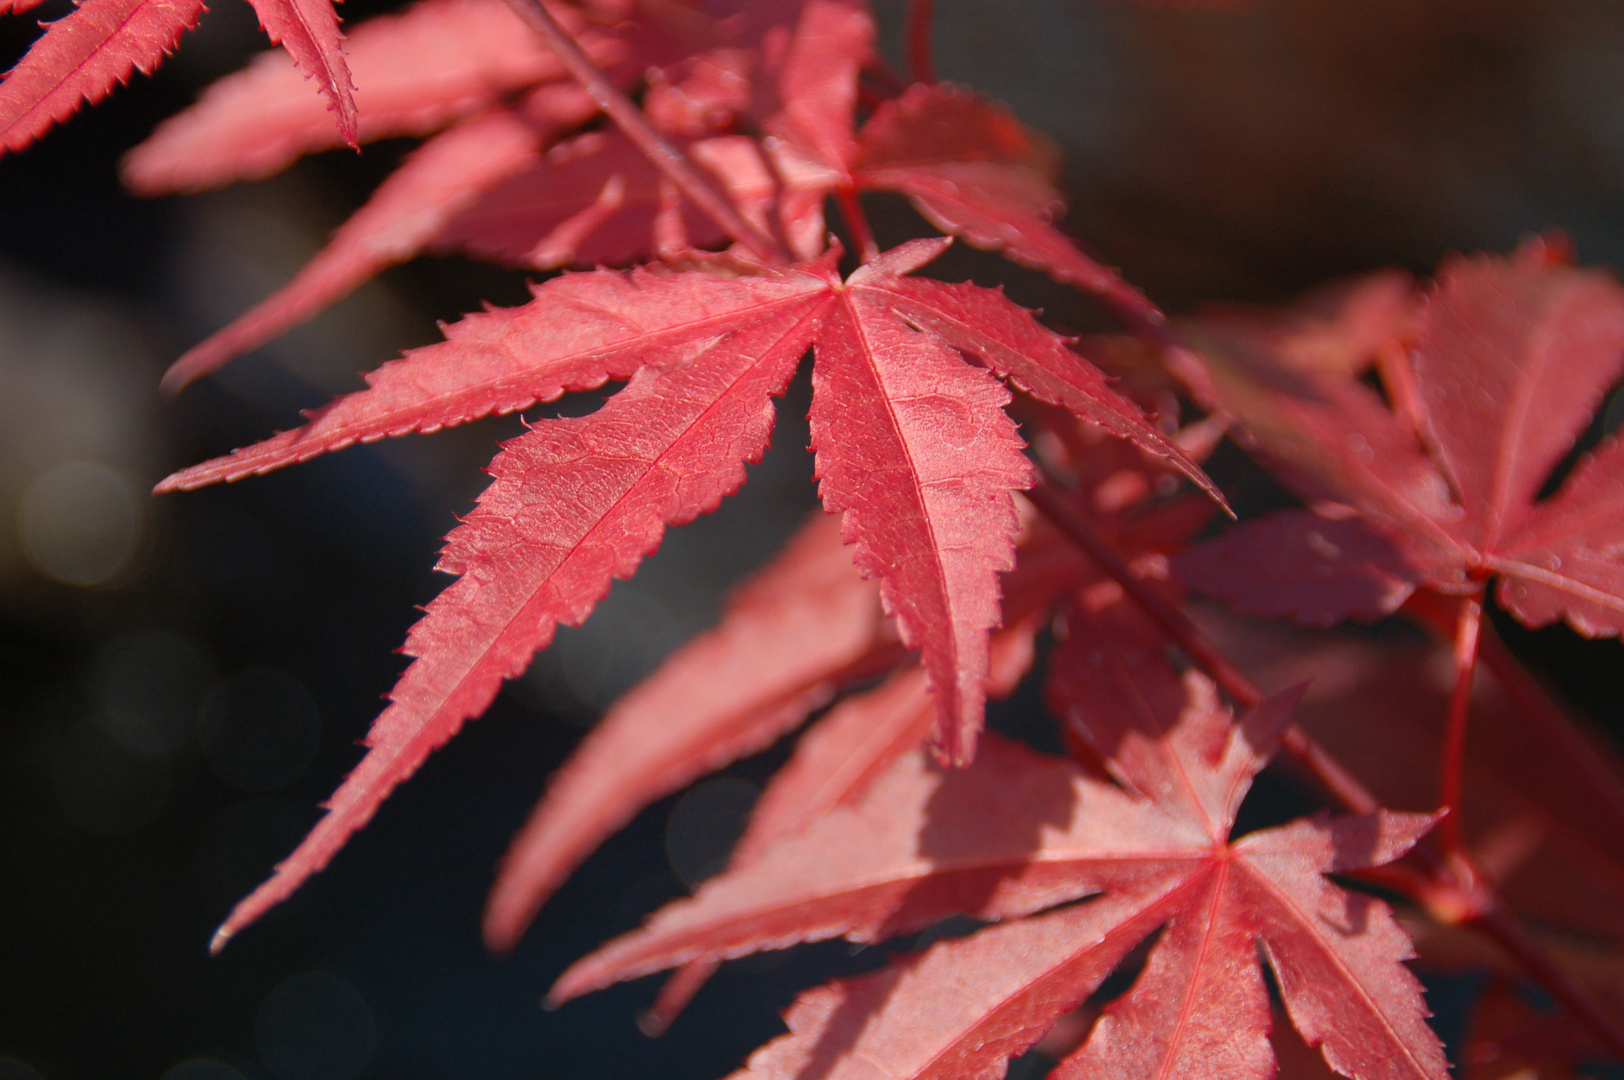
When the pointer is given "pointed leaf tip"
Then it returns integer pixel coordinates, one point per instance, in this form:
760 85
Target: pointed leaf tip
222 937
308 30
903 259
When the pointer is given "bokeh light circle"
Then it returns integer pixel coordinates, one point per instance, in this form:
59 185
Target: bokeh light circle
79 523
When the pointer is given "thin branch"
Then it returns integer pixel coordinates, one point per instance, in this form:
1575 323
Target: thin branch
667 157
1460 705
920 13
862 236
1342 785
1549 721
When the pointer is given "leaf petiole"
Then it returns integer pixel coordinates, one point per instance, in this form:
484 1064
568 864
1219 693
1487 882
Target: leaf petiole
857 221
1467 628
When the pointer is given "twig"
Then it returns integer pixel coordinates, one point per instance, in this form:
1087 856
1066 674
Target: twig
1342 785
1551 723
862 236
667 157
1460 706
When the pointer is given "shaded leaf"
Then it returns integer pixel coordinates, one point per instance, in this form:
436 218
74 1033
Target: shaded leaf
596 199
814 81
1509 1038
974 171
1012 834
415 73
1509 359
923 844
835 761
1540 803
702 94
962 1008
1317 570
408 211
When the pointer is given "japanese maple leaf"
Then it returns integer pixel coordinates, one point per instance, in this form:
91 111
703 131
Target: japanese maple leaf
1509 1037
912 445
1018 833
98 45
1543 803
796 634
1506 363
442 178
806 626
597 199
807 97
835 762
439 61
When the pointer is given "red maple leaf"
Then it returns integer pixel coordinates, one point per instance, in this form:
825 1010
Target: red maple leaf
688 717
1543 799
597 200
1502 369
98 45
1016 834
482 189
912 445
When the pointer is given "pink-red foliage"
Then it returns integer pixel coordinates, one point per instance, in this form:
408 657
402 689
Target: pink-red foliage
1017 834
98 45
1419 424
1491 381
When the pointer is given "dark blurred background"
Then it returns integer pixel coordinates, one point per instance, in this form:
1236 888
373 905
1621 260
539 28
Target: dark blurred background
183 680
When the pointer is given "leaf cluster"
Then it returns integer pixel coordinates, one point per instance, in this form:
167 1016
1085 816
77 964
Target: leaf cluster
681 156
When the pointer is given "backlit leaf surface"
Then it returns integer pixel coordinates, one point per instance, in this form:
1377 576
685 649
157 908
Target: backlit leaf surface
912 445
308 30
924 844
575 503
83 56
974 171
